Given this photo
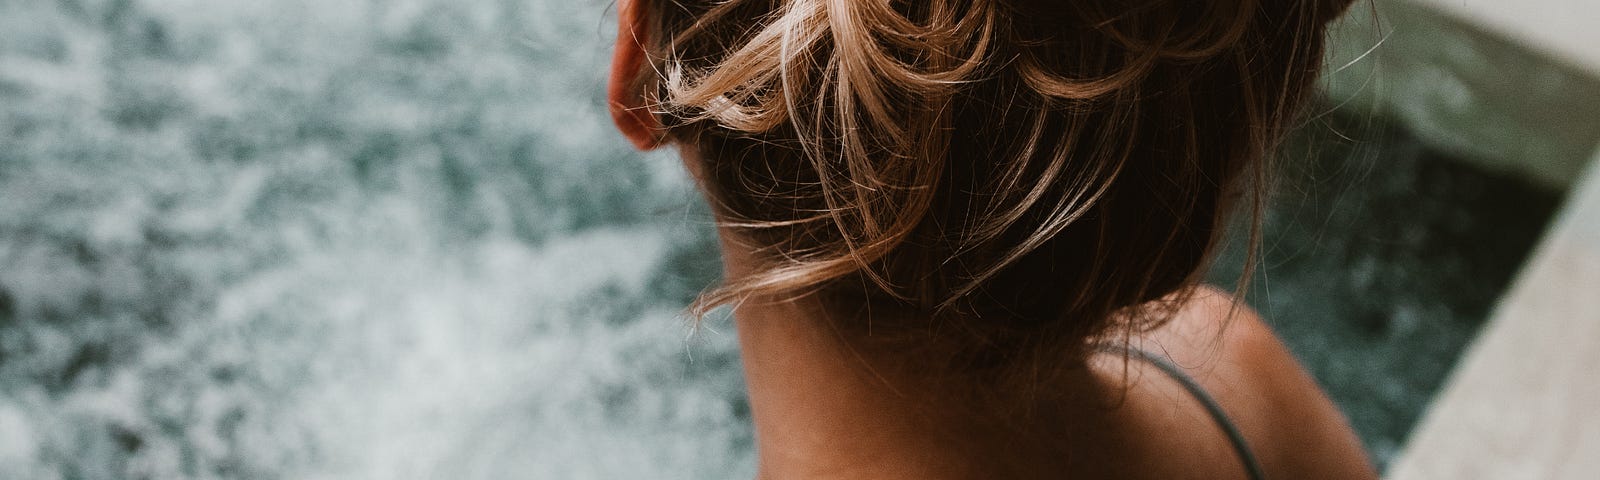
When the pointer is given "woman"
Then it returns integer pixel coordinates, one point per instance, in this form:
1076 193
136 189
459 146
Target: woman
962 237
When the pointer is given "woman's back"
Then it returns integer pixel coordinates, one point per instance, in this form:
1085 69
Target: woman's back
825 411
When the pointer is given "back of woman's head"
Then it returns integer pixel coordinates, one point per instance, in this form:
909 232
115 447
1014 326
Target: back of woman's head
1001 174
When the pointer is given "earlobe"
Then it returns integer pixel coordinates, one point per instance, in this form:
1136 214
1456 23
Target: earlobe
628 109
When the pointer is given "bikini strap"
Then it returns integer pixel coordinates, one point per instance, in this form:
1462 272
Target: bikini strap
1251 465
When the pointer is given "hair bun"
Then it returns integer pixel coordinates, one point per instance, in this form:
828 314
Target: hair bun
1021 169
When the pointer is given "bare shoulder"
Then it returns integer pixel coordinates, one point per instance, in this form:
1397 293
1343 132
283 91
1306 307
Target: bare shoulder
1292 426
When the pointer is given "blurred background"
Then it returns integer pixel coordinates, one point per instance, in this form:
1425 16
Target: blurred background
395 239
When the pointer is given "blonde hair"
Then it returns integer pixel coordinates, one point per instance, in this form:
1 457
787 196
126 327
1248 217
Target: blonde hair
1011 173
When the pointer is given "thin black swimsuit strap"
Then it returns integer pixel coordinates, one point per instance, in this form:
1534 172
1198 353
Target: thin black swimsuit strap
1237 439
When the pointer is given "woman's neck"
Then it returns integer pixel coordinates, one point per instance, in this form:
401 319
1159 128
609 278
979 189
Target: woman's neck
823 409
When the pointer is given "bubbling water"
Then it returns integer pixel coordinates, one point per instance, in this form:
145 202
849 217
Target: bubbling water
343 240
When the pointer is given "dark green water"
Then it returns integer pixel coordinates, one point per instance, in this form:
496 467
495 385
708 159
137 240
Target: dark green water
1380 260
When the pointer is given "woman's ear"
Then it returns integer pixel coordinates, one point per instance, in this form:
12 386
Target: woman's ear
627 102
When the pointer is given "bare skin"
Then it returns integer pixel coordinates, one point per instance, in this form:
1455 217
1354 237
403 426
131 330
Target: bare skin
823 410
